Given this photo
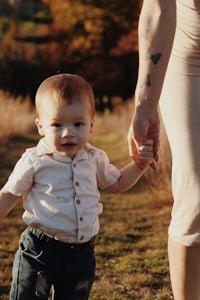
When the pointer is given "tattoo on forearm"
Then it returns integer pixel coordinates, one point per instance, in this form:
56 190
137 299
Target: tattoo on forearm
146 82
153 57
145 34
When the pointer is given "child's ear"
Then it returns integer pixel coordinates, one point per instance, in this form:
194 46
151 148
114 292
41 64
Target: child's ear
92 124
39 127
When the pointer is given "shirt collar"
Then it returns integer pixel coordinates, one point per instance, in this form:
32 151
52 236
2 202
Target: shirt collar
42 148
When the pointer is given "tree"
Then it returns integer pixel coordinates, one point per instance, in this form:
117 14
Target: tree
98 40
94 38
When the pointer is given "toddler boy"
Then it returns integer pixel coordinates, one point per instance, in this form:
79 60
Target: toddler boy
58 181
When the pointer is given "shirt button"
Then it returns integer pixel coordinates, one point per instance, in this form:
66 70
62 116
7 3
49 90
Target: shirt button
78 201
77 183
74 165
81 238
81 219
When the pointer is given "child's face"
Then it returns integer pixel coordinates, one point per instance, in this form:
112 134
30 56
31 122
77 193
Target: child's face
66 128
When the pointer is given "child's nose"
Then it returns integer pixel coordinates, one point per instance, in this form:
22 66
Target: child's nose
67 132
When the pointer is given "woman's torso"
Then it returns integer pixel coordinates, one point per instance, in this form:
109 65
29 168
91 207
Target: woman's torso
186 48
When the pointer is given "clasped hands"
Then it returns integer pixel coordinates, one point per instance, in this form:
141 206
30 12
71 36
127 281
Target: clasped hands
144 140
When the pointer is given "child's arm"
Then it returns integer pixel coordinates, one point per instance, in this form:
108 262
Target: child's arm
131 173
7 202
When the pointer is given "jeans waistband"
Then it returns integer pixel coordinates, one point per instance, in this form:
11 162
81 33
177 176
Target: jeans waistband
53 242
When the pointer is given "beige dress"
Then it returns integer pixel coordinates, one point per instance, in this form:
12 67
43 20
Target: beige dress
180 108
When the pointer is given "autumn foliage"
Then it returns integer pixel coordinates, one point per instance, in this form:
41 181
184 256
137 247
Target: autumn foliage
94 38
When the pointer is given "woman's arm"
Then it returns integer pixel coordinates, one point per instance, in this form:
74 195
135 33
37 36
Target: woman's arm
156 31
7 202
156 34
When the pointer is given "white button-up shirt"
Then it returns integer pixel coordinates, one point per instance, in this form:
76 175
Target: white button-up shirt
60 195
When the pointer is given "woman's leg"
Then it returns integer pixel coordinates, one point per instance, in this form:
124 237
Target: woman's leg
184 271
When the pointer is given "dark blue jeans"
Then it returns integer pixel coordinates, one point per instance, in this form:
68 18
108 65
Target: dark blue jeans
42 262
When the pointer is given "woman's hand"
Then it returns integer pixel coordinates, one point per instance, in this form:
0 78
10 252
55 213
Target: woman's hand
144 127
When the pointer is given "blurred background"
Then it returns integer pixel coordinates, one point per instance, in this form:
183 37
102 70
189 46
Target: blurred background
96 39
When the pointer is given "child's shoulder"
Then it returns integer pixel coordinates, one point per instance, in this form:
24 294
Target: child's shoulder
95 151
27 158
30 153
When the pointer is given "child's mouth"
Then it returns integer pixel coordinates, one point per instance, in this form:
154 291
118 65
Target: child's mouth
68 145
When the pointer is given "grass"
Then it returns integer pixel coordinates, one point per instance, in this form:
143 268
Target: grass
16 116
131 248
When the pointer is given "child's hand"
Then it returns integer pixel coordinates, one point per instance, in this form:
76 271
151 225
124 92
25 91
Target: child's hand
145 152
135 140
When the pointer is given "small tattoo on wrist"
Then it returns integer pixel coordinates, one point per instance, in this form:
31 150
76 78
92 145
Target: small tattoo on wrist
146 82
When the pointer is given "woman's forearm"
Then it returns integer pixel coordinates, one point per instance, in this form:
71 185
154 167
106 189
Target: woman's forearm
156 31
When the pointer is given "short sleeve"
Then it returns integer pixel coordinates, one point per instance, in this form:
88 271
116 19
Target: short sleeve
107 174
21 179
